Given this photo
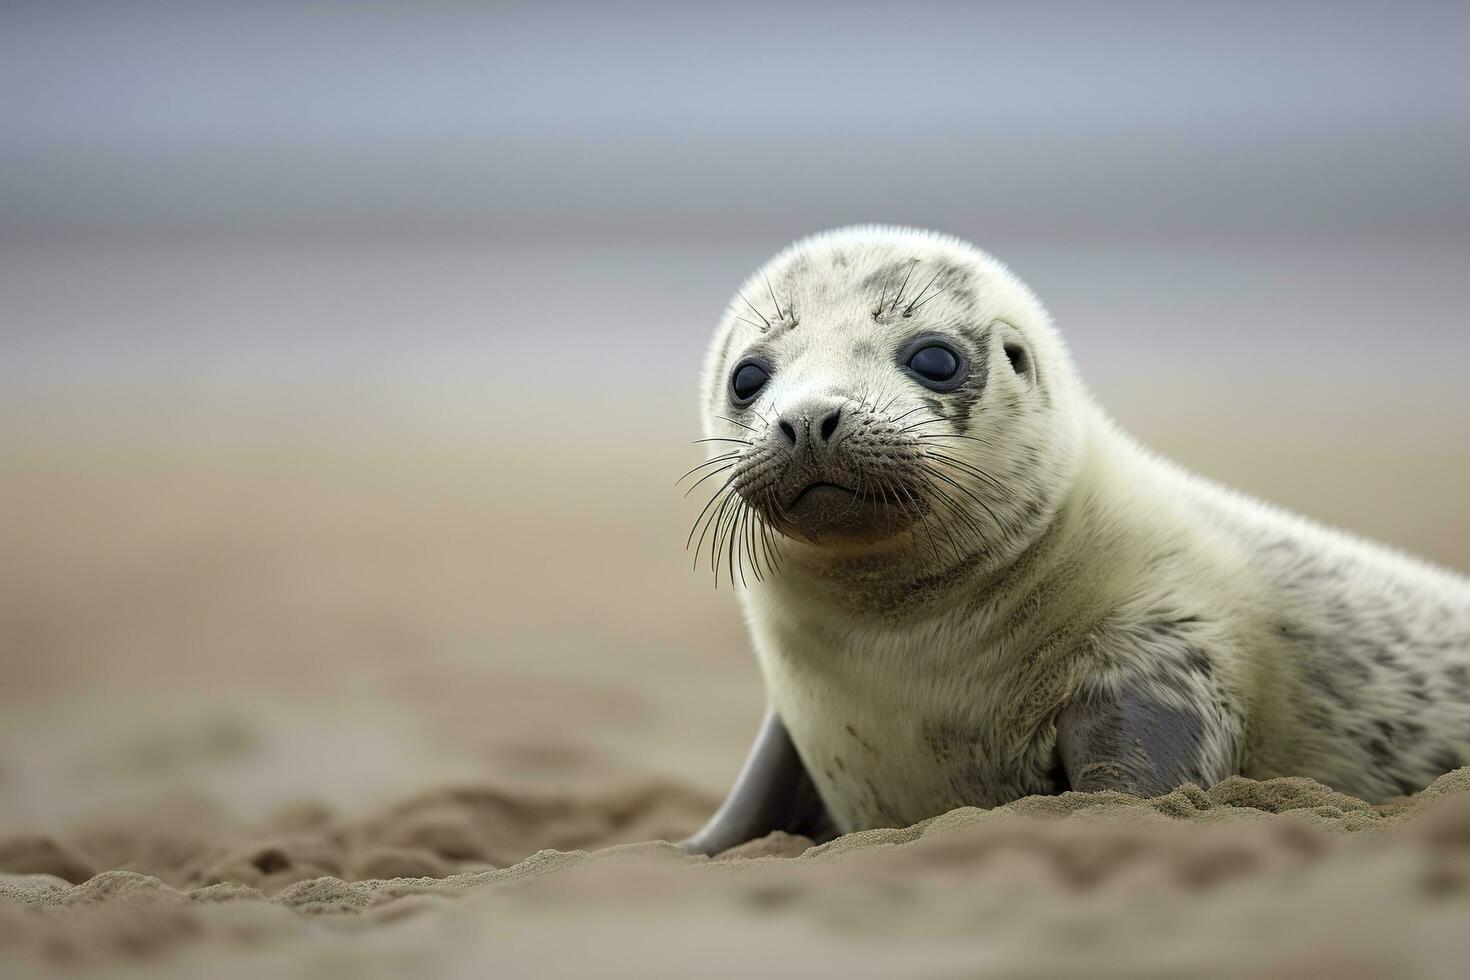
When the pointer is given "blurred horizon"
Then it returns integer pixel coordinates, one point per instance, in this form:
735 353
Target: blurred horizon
216 195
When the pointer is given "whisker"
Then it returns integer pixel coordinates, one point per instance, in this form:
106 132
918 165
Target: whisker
919 511
708 504
735 527
711 473
717 543
991 443
779 314
756 311
920 306
862 489
971 495
751 523
900 418
768 534
883 493
948 533
729 540
882 295
726 418
748 538
979 474
708 462
909 310
959 513
745 524
708 524
905 285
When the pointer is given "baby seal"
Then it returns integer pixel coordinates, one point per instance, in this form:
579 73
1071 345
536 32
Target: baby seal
966 585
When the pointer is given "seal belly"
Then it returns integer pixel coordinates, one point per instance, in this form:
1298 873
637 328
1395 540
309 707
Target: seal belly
893 753
871 775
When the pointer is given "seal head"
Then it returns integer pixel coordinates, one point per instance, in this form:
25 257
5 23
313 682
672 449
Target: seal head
880 391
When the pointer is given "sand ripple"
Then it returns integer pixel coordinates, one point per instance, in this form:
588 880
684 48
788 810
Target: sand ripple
1284 877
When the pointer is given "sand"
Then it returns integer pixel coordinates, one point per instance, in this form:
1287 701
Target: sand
303 704
1246 879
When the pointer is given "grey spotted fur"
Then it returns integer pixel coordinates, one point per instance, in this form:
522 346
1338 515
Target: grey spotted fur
1099 588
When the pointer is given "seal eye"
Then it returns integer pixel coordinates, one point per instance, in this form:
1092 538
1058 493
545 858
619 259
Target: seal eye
935 363
748 379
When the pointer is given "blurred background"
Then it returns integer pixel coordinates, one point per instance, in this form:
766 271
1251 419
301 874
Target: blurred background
348 351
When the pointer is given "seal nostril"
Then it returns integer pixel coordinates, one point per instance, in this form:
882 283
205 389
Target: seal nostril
788 432
829 425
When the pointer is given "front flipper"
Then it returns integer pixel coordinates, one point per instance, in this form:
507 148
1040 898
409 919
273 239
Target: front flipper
772 792
1134 743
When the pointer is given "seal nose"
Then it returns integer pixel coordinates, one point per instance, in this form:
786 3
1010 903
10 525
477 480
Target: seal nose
829 424
805 430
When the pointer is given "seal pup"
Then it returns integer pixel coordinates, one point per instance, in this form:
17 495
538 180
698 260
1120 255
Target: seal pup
965 584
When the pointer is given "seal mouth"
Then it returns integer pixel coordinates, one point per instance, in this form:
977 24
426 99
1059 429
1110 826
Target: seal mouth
824 512
820 489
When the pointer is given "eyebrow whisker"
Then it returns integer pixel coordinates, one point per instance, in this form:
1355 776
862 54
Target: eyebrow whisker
903 286
909 310
779 314
755 311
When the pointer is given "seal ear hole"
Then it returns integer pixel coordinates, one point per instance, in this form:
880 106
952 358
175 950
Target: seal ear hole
1019 357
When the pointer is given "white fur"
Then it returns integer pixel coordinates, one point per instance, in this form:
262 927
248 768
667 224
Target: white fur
1105 567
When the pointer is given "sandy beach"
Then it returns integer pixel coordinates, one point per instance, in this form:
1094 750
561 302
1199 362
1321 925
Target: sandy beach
1248 879
325 703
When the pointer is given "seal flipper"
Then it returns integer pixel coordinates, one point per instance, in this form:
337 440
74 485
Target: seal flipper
1135 744
772 792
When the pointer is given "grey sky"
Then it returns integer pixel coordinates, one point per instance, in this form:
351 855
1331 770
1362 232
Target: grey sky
1035 118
